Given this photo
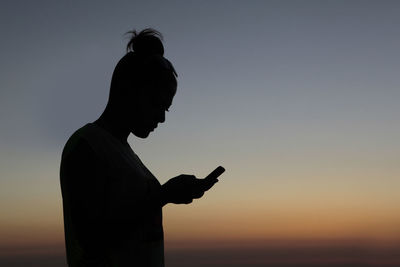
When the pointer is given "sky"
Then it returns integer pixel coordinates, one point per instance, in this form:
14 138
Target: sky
298 100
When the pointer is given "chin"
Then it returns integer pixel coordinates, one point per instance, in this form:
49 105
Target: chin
141 134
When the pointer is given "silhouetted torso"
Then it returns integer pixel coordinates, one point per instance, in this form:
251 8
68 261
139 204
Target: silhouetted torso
111 201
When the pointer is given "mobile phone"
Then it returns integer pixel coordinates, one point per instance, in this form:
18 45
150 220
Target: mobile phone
215 173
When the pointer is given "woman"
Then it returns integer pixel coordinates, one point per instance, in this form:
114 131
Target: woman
112 203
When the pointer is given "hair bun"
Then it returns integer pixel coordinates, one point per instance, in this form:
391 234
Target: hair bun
146 42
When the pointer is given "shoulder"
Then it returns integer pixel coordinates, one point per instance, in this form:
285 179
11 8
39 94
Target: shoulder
79 157
77 142
82 169
87 138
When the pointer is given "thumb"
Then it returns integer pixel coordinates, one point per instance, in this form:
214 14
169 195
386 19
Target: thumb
208 183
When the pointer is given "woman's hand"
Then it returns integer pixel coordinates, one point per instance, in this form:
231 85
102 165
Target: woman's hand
184 188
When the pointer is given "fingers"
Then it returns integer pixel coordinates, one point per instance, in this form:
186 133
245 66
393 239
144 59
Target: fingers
188 187
198 194
201 186
207 184
188 201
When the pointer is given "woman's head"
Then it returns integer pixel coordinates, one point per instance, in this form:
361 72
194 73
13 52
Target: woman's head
143 83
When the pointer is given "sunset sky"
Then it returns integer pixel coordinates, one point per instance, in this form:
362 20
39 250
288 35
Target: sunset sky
298 100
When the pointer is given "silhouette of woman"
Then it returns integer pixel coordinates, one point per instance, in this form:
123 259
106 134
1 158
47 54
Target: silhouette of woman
112 203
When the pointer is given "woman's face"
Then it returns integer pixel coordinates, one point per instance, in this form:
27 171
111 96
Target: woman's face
150 110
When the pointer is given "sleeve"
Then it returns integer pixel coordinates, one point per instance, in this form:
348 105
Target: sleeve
85 188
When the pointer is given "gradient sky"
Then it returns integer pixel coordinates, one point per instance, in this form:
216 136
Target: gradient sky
298 100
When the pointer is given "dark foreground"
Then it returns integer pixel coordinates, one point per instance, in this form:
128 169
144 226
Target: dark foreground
240 255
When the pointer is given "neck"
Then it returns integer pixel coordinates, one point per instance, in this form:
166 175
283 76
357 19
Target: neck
111 122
